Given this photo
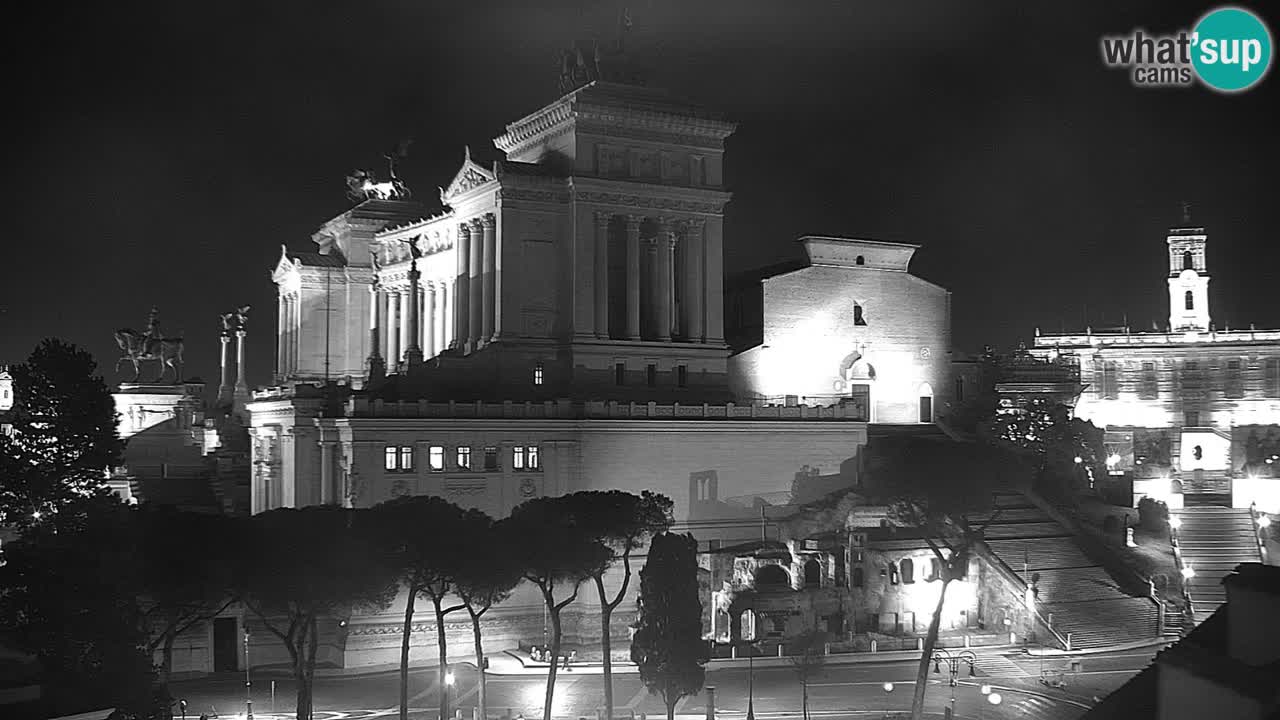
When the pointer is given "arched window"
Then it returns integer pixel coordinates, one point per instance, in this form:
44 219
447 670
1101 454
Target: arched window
1188 261
1190 301
812 574
859 260
858 318
772 577
908 571
859 577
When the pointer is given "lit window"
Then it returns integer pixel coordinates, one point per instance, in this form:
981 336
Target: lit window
524 457
464 458
398 458
537 374
436 458
491 458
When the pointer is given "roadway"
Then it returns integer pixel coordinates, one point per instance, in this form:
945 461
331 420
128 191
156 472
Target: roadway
840 689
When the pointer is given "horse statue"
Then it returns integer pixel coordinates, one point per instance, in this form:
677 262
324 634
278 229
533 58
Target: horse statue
137 348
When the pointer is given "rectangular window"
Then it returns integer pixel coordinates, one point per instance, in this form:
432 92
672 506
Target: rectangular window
537 374
959 390
1110 381
1235 383
464 458
436 458
524 457
620 374
491 458
1191 419
651 375
398 458
682 375
1150 387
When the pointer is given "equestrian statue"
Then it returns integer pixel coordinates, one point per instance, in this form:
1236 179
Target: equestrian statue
151 346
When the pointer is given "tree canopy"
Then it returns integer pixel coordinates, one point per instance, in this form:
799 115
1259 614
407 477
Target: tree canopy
668 645
63 439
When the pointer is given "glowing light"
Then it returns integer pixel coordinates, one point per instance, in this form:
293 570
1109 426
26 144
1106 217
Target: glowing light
449 678
994 698
1079 459
888 687
1113 459
985 689
1188 572
1175 522
1264 521
36 514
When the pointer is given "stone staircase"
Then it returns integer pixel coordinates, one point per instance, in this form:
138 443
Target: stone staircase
1075 593
1213 541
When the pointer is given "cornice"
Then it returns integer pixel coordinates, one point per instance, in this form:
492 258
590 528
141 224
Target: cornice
646 201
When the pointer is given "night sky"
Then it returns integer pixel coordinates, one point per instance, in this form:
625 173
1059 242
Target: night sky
160 154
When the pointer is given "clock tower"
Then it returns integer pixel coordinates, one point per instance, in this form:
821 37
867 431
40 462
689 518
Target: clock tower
1188 278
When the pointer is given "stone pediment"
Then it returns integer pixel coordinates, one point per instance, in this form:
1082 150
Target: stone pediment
284 267
469 177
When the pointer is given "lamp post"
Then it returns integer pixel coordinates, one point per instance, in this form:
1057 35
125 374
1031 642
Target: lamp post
888 689
248 687
953 666
751 680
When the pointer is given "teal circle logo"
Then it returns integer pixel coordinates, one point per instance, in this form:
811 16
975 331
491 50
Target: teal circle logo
1231 49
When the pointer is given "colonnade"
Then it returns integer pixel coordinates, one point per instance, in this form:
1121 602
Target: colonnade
664 289
438 313
290 322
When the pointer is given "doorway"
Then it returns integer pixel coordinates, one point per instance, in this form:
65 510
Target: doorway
224 644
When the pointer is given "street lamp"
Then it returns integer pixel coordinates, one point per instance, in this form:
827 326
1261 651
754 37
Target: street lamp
751 681
248 687
953 666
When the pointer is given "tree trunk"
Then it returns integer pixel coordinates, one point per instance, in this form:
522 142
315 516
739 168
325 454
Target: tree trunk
926 655
481 708
302 710
606 647
554 612
404 653
804 697
311 668
671 706
166 663
444 658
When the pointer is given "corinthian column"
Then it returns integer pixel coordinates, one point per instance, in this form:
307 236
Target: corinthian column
475 303
602 274
489 277
693 329
664 244
281 338
633 277
462 291
404 327
393 328
412 323
224 387
429 319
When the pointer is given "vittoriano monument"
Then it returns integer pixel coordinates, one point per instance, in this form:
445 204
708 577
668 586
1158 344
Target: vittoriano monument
151 346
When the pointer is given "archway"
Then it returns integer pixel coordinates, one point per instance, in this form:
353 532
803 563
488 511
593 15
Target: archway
772 577
812 574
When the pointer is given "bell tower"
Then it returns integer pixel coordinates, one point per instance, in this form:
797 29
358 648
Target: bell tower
1188 276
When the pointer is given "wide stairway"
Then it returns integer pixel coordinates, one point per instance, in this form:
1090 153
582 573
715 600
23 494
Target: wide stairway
1213 541
1075 593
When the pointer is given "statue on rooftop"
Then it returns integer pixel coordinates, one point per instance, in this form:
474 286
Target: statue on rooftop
150 346
364 185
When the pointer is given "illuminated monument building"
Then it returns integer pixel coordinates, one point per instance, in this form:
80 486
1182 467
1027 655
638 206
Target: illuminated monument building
560 326
1192 412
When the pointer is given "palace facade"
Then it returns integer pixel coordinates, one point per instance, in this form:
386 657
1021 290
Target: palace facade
1192 409
559 326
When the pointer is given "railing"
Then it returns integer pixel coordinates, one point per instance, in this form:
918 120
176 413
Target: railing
566 410
1150 338
1019 582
